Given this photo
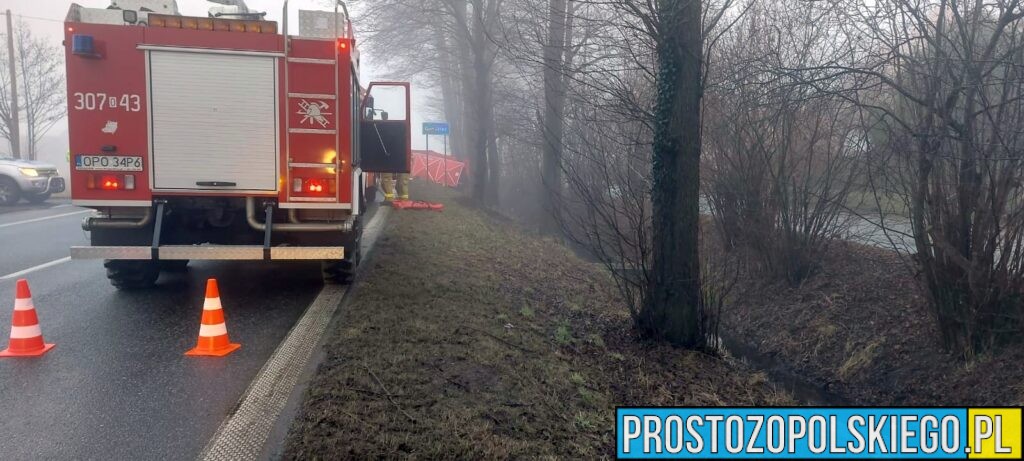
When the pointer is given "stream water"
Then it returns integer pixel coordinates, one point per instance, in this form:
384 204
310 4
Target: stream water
801 389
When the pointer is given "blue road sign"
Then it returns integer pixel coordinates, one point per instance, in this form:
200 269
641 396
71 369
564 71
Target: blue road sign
435 128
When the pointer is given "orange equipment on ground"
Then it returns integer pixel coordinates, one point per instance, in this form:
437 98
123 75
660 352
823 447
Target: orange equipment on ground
416 205
213 332
26 336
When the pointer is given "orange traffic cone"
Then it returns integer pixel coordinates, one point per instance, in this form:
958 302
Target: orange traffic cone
213 332
26 336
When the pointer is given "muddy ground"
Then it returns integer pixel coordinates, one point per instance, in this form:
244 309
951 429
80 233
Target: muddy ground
861 329
466 337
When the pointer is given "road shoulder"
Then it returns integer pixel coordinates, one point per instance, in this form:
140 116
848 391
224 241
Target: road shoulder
252 428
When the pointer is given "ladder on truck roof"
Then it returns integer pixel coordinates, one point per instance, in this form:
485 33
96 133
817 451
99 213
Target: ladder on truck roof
314 112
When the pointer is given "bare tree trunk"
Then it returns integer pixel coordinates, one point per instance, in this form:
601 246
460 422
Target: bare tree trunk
482 96
673 310
449 90
554 114
14 124
493 197
463 38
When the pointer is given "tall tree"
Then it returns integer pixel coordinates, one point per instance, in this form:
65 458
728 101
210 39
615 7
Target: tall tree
447 77
40 87
554 111
673 310
486 168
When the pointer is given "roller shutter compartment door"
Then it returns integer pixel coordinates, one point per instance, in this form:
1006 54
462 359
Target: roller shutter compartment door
213 120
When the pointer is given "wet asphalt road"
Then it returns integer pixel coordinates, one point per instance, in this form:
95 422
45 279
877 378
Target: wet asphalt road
117 385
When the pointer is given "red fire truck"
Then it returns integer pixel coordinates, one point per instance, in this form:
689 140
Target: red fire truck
220 138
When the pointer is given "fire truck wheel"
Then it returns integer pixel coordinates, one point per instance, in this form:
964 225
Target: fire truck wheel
9 191
340 272
175 265
129 275
344 271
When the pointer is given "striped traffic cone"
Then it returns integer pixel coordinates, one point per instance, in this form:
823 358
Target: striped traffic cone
26 336
213 332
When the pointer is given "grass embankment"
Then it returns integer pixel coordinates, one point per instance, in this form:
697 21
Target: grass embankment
861 328
467 338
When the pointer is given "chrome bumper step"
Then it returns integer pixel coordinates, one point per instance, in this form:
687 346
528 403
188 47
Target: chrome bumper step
209 252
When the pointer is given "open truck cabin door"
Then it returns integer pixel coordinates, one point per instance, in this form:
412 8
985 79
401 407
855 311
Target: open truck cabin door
385 130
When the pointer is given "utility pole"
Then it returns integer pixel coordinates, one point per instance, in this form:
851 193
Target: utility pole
15 127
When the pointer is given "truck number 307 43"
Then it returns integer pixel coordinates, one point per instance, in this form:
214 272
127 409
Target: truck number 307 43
104 101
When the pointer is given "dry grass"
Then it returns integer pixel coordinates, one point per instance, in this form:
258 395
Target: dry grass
861 329
468 338
861 358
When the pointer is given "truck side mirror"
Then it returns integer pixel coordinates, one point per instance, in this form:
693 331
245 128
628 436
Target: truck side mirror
368 107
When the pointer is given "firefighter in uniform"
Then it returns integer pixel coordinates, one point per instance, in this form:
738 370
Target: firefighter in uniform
403 186
388 181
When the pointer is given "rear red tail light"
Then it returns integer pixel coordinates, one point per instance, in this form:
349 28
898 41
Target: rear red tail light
314 186
110 182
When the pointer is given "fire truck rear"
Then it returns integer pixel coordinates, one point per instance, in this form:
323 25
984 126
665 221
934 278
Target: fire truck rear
220 138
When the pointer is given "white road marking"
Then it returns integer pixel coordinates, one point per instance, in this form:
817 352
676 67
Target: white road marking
36 268
44 218
244 432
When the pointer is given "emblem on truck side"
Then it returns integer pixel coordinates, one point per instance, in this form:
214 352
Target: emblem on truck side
110 127
314 112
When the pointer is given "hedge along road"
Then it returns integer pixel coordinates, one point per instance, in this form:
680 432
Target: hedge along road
117 384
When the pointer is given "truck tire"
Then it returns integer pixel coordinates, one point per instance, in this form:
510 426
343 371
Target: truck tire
132 275
37 198
174 265
10 193
344 271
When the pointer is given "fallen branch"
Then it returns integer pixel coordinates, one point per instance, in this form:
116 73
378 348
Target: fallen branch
503 341
369 391
388 394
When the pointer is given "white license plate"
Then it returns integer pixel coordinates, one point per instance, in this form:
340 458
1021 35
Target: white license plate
108 163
